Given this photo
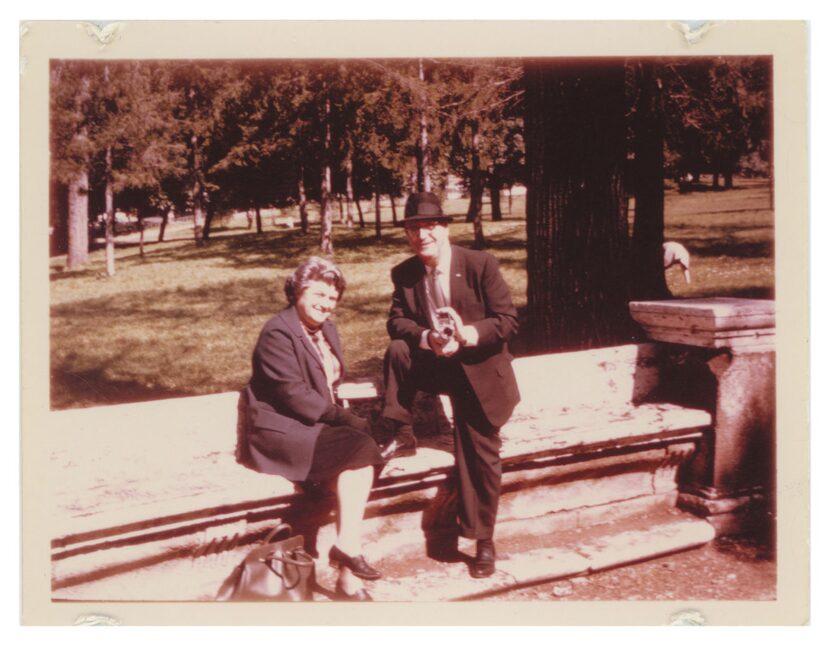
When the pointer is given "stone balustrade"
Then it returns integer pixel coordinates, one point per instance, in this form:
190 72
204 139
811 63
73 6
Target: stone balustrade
720 355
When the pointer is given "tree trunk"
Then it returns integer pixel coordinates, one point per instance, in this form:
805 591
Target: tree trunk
577 230
163 226
495 194
340 208
209 213
349 192
377 205
326 244
258 218
648 277
510 200
728 170
476 191
394 209
78 221
109 209
422 149
196 190
359 213
715 176
303 204
141 235
474 210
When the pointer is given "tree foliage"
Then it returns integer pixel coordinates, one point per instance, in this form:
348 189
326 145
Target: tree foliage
203 138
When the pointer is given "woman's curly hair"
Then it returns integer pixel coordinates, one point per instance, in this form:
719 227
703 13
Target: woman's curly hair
315 268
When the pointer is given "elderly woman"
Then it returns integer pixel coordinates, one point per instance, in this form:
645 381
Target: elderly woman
295 428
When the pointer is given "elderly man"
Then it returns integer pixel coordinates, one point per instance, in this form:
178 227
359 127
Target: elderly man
449 323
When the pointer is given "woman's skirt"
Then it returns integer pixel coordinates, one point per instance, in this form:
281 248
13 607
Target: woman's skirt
339 448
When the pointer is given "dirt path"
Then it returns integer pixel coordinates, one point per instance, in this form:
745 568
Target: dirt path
726 569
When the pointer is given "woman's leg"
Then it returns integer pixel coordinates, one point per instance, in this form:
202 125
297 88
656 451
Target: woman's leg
353 487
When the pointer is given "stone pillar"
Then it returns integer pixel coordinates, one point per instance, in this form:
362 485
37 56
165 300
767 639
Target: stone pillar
720 355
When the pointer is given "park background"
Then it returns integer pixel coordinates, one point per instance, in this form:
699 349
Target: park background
183 193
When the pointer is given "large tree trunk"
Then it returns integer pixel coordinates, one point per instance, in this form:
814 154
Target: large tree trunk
495 193
326 243
140 235
648 277
78 221
422 149
577 230
258 212
109 209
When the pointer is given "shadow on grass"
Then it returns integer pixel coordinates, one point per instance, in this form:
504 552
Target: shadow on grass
729 248
738 292
250 250
139 346
249 297
83 388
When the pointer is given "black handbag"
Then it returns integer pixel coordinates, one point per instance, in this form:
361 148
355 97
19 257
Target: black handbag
276 570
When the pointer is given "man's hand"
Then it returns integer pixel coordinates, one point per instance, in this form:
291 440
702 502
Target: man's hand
440 346
465 335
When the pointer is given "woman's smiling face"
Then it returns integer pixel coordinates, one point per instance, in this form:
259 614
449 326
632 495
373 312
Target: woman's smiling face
316 303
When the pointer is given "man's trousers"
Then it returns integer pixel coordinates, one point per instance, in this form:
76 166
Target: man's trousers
477 441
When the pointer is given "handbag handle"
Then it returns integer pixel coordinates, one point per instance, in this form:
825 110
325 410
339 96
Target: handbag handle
291 561
277 530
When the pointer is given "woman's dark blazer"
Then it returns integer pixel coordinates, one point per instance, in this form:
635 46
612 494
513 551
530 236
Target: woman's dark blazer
286 396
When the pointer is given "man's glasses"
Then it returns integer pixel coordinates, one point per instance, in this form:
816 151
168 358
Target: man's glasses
415 228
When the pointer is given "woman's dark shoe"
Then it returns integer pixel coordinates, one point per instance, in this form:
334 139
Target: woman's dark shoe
341 595
357 564
484 564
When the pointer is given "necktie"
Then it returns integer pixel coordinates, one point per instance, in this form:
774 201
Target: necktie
437 290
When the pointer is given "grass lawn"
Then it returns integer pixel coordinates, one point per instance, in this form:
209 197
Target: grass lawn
182 320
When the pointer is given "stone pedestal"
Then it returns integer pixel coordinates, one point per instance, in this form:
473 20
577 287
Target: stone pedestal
720 355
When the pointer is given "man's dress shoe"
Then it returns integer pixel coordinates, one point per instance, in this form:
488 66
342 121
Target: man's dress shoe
484 564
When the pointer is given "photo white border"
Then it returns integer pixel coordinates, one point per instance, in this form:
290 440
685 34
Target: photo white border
785 41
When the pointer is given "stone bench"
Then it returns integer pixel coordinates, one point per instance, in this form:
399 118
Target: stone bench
150 503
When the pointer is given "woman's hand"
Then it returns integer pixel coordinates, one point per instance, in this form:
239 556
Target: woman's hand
339 416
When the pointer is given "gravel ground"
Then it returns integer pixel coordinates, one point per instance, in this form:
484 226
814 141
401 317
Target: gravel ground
728 569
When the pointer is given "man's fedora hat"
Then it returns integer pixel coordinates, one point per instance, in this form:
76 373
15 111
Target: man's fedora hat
423 207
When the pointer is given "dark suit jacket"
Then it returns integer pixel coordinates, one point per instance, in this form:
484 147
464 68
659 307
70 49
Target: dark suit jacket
482 298
286 396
